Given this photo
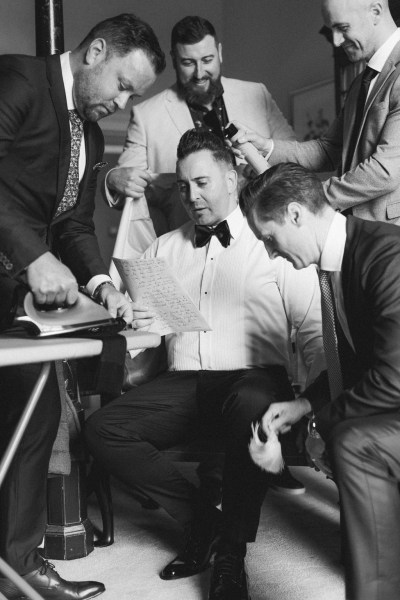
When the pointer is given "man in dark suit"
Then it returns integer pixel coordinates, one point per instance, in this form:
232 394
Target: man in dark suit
50 148
355 408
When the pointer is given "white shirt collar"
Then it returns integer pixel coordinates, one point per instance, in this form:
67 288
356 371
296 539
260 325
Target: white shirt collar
235 221
68 79
332 253
378 60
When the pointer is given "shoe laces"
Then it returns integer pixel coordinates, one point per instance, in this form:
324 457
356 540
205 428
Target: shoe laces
46 565
228 568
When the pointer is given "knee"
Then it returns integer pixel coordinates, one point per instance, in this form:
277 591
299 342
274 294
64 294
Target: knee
347 443
96 429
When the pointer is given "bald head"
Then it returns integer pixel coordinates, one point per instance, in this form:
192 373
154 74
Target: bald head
360 27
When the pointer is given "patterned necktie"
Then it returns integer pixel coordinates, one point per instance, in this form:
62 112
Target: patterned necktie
72 184
367 77
330 338
203 234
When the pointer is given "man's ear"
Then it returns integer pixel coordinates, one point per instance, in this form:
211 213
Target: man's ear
232 180
376 10
295 213
173 59
96 51
220 52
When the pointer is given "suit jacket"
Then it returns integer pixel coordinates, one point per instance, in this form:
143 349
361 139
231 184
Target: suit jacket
34 161
372 185
371 293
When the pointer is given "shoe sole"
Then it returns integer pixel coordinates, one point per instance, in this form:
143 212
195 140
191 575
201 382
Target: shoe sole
26 597
288 491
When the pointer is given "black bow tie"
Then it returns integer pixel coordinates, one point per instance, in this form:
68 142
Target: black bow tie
203 234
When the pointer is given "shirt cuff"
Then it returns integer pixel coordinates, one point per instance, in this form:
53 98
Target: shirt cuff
113 198
266 156
93 283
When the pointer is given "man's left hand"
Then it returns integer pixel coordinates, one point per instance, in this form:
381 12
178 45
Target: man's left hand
116 303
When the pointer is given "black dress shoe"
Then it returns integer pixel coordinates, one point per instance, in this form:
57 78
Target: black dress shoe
285 483
228 578
47 582
202 538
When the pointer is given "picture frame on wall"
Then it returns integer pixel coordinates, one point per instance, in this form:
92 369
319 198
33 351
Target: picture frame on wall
313 109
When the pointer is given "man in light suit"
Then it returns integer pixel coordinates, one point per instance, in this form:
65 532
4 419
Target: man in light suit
50 148
199 98
367 183
357 407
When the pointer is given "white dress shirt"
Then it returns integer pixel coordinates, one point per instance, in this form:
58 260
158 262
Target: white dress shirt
251 303
68 81
378 60
331 260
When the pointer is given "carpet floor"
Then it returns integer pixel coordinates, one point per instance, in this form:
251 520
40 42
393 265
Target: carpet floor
296 555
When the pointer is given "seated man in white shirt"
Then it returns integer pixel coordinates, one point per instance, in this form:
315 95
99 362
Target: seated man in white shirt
219 381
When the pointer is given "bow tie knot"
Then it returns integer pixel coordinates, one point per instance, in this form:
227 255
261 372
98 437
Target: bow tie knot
203 234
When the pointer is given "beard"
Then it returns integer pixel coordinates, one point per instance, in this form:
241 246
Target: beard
189 91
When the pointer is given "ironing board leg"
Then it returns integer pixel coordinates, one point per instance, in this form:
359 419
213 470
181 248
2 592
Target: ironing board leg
5 463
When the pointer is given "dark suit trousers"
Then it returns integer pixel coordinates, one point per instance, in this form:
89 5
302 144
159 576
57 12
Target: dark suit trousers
126 436
23 506
366 460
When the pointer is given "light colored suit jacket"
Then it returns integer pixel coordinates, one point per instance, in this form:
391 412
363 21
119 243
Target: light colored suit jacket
157 124
372 184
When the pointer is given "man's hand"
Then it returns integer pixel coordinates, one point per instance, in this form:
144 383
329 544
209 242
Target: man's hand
245 134
116 303
129 181
280 416
51 282
142 317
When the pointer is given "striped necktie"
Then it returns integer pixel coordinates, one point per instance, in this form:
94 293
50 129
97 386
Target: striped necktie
329 330
70 196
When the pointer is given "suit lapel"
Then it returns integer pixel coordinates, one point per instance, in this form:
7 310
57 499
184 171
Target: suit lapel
178 111
232 100
351 104
57 93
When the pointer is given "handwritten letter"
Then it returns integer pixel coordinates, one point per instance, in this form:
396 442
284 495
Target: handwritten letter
151 282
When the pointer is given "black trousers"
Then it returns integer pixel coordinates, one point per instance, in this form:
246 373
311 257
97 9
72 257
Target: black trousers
365 455
126 436
23 507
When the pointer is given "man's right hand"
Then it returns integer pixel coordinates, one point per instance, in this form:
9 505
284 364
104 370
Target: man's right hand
129 181
51 282
245 134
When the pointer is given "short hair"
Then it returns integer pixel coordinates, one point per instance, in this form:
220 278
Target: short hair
125 33
191 30
196 140
269 194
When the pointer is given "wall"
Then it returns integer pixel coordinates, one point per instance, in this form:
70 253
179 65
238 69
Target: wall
277 42
274 41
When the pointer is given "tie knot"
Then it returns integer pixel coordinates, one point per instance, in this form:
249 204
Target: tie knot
368 75
75 119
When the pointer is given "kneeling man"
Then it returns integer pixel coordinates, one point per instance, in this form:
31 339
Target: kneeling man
356 403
